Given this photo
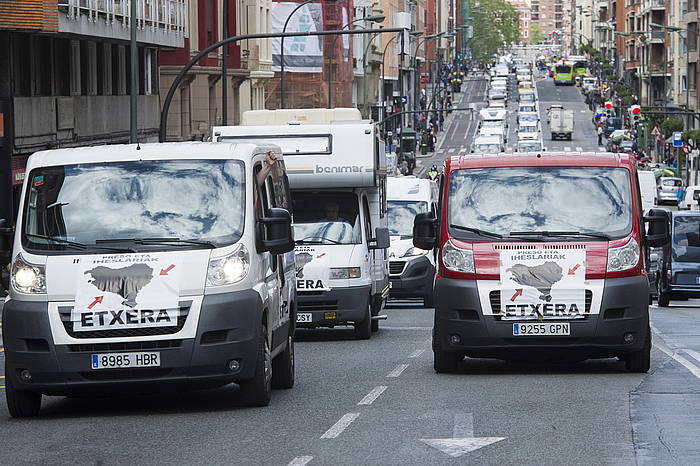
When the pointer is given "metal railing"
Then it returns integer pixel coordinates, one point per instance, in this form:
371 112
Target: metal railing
154 14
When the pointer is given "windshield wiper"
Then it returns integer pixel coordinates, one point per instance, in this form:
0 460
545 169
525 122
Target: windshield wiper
319 240
560 233
479 232
78 246
159 241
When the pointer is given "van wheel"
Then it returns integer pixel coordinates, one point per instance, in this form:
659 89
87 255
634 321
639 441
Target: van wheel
258 390
664 299
21 403
283 367
444 362
640 361
375 325
363 329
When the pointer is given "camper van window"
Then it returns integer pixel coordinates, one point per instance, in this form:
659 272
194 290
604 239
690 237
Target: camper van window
369 234
134 200
329 219
292 144
401 215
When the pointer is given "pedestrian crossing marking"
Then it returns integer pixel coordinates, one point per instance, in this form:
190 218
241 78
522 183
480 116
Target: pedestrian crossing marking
579 149
567 149
601 148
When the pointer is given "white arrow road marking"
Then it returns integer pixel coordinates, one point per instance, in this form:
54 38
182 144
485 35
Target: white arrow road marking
567 149
416 353
373 395
342 424
300 461
397 371
463 440
579 149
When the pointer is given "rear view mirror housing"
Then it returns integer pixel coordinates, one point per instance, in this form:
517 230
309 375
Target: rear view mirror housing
275 232
658 231
425 231
381 239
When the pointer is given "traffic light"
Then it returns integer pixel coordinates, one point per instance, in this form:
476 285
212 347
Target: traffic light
608 105
635 110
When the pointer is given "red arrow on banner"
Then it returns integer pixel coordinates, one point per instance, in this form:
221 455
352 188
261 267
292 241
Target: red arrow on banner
572 270
518 292
98 300
167 269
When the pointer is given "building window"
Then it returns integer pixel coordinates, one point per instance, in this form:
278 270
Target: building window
692 75
62 66
75 67
692 37
41 76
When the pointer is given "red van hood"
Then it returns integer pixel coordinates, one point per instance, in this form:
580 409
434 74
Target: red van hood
487 256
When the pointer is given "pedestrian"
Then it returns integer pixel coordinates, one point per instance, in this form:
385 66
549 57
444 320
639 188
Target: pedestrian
600 135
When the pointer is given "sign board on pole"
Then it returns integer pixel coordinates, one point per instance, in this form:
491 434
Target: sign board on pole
404 99
655 131
677 141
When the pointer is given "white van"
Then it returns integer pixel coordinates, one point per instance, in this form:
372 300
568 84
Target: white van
489 130
648 189
528 130
137 267
691 198
411 270
487 145
337 174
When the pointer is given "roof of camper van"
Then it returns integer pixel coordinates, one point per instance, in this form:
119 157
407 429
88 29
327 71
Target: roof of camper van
309 116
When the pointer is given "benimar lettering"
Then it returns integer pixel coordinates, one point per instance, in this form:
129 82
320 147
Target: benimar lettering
339 169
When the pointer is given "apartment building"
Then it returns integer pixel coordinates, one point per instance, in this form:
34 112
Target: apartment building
523 9
553 17
65 76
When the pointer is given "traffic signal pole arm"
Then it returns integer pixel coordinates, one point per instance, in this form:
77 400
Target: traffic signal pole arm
234 39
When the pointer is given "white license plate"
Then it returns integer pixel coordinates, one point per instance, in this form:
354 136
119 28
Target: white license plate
541 329
125 360
305 317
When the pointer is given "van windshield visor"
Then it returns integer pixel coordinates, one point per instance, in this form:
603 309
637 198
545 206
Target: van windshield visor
90 204
488 148
686 238
529 147
290 145
587 200
326 218
401 216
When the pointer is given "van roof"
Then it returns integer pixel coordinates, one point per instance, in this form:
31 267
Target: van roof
525 159
409 188
147 151
481 139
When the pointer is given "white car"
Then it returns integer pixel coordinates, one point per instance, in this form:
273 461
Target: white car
488 145
528 130
499 131
501 104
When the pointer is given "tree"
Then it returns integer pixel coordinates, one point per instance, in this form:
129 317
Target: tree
670 126
495 23
536 35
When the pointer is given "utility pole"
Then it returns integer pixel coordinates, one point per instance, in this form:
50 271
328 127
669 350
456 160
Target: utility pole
224 67
133 95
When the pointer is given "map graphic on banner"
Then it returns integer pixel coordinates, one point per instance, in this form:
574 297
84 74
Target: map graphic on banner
301 54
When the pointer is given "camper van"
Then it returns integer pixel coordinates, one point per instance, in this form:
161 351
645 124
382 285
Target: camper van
337 174
411 269
120 283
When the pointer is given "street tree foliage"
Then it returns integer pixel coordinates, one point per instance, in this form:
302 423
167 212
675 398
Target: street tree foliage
670 126
536 35
496 23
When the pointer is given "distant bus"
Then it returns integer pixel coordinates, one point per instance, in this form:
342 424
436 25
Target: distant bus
563 74
580 68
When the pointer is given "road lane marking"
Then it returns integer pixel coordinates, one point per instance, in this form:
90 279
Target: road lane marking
579 149
300 461
373 395
416 353
397 371
695 370
340 426
694 354
567 149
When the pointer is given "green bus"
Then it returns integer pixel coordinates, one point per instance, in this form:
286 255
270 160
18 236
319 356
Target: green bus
563 74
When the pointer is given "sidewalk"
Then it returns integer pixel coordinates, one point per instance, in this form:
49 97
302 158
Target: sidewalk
446 124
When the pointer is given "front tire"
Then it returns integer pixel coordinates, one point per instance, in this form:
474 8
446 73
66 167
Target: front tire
663 298
283 367
363 329
258 390
640 361
21 403
429 300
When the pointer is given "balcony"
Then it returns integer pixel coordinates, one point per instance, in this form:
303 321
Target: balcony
656 37
653 5
159 22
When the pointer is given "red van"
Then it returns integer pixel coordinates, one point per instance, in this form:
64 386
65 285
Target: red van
541 256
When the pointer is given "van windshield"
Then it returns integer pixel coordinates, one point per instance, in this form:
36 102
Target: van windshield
594 200
326 218
401 215
686 238
487 148
197 200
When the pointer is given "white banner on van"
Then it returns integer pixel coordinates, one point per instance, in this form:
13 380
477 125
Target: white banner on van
312 268
122 291
543 282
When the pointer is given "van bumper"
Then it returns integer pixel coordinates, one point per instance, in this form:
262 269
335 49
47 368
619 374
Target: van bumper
228 328
338 306
458 311
416 280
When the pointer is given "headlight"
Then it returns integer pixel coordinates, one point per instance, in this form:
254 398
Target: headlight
342 273
229 269
28 278
456 259
414 251
623 258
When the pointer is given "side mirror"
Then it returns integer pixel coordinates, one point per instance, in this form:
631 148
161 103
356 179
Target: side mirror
275 232
5 242
381 239
658 232
425 231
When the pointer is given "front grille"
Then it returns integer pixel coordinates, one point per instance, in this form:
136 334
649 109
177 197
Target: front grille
124 346
119 374
65 314
495 300
308 306
396 267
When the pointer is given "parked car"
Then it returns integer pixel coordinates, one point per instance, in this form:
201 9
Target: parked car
668 189
691 198
679 273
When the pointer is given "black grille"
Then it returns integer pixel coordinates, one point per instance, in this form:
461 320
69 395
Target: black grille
396 267
495 299
124 346
119 374
308 306
65 313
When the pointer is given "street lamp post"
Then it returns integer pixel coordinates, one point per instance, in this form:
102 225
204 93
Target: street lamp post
374 19
284 29
383 76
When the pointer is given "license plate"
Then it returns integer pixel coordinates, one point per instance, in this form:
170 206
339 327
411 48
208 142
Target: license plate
304 317
125 360
541 329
